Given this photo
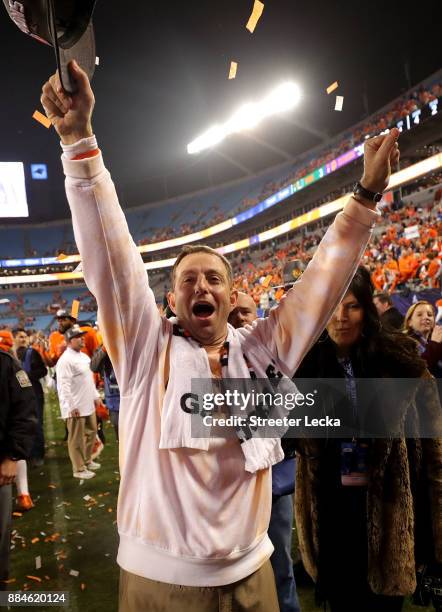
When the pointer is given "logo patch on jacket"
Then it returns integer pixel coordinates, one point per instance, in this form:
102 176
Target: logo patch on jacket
23 379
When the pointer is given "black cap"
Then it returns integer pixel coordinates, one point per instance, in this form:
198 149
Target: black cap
74 332
64 24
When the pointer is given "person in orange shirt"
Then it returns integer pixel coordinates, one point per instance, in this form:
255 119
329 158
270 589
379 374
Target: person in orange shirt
57 342
6 340
434 270
378 277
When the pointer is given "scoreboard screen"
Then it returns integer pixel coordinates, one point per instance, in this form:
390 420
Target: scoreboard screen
13 200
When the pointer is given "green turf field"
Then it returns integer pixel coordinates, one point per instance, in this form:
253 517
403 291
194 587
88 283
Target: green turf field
70 533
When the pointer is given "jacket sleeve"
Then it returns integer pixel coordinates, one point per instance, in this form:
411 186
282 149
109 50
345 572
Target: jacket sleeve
64 383
22 414
97 361
430 417
113 269
38 368
294 325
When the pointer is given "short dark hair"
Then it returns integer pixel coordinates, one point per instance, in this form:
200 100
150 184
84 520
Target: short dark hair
384 298
190 249
17 330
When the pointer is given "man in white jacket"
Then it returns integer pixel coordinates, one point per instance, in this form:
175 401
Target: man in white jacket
193 513
78 397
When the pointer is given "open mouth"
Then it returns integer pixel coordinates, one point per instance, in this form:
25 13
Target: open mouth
203 310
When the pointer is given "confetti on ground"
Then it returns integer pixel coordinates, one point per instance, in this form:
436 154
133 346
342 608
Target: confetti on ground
74 573
38 562
233 69
87 497
35 540
258 8
52 486
10 581
339 103
80 532
68 518
17 514
109 510
47 578
38 116
82 586
331 88
36 578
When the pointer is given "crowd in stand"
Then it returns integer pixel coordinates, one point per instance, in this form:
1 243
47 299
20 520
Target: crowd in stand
212 214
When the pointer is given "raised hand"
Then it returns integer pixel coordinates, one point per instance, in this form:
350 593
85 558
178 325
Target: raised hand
69 114
380 155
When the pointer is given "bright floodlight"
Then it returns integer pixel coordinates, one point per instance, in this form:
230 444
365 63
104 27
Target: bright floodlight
281 99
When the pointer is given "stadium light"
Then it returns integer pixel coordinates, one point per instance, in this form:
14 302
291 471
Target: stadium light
285 97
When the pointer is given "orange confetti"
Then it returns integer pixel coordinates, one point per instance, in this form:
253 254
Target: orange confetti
38 116
109 510
279 294
332 87
61 256
258 8
10 581
17 514
75 308
36 578
233 69
82 586
34 540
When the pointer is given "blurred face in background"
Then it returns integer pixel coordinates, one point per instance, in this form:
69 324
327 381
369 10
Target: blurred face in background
422 319
21 340
244 312
76 343
345 326
64 323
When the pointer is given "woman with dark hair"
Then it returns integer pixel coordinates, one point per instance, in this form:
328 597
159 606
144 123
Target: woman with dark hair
368 510
419 324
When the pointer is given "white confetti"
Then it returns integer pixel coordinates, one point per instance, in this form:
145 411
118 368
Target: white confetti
74 573
38 562
339 103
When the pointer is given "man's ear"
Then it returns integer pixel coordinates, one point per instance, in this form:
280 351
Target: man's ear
233 299
171 301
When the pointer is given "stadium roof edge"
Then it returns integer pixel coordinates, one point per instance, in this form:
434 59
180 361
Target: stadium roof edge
215 188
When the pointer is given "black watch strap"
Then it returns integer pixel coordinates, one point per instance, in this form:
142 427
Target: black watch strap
365 193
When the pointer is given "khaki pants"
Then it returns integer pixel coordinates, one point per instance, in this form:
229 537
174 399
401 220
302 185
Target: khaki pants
256 593
81 438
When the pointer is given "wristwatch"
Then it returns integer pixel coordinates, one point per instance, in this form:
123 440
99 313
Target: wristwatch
365 193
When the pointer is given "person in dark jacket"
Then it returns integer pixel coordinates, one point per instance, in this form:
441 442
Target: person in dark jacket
101 364
34 366
368 509
389 315
18 421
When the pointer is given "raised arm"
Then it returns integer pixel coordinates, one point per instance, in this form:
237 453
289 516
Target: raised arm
293 327
112 266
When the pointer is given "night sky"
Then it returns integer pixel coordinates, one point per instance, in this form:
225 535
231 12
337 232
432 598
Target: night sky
162 80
